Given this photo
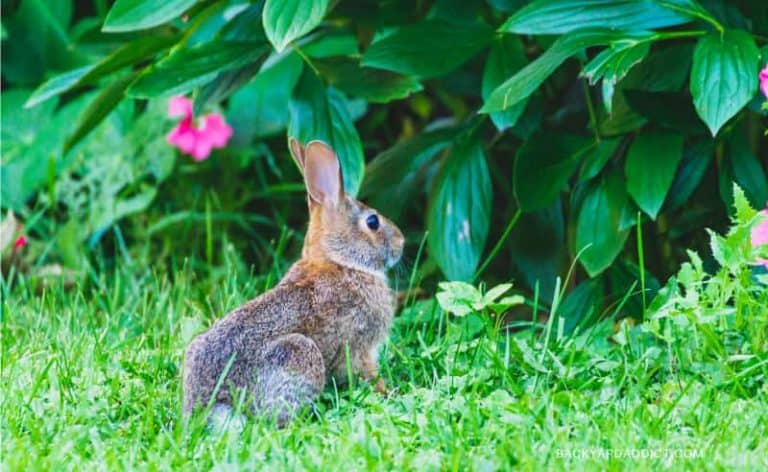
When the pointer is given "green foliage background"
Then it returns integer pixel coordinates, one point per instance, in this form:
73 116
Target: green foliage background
576 147
520 136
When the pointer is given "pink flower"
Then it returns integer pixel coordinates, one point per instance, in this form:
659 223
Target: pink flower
764 80
20 242
760 235
197 141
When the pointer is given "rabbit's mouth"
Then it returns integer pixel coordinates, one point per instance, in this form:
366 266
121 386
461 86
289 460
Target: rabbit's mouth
393 257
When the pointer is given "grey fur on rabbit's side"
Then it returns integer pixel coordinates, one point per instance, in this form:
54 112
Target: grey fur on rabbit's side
281 348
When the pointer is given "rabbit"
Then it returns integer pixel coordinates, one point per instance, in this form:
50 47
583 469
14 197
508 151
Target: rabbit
281 348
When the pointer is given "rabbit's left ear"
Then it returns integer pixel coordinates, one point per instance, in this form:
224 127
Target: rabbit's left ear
297 152
322 174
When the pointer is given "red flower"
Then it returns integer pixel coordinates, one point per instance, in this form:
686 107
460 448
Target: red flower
20 242
198 142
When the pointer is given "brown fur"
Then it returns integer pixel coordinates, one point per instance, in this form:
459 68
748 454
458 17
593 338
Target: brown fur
287 343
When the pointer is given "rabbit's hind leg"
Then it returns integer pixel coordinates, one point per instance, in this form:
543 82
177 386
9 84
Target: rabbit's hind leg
291 375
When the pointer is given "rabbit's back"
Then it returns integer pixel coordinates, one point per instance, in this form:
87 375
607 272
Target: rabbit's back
238 341
334 307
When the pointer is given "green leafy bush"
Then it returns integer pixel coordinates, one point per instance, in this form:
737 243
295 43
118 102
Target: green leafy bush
522 134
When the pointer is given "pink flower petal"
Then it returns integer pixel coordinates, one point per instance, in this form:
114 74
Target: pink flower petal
764 80
179 106
202 150
215 130
760 232
184 136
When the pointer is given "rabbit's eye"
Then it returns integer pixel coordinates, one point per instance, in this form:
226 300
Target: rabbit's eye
372 222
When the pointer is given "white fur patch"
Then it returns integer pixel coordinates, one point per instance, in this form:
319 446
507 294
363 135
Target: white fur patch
223 419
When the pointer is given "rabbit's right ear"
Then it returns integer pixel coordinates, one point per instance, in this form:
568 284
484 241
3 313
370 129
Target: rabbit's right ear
322 174
297 152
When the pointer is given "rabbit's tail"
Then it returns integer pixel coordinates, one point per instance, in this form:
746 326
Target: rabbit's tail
223 418
291 377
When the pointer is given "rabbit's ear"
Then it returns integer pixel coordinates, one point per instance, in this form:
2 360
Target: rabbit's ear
322 174
297 152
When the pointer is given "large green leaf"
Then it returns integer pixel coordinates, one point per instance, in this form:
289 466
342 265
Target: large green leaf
186 69
125 55
35 41
564 16
696 159
537 247
430 48
30 144
101 106
598 225
690 8
260 108
56 85
746 168
527 80
224 85
506 58
460 210
650 168
543 166
130 15
319 112
374 85
393 177
723 75
286 20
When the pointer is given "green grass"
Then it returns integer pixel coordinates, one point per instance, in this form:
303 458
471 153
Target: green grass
90 380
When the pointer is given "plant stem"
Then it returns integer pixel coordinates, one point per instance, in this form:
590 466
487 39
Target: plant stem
498 245
591 110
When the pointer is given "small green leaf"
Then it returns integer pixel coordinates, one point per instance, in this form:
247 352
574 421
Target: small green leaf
491 295
595 159
130 15
744 212
543 167
529 78
650 168
97 110
459 210
430 48
457 298
613 63
564 16
506 58
598 232
723 75
374 85
664 70
287 20
186 69
318 112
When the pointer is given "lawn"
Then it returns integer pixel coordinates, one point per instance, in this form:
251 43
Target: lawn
91 380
